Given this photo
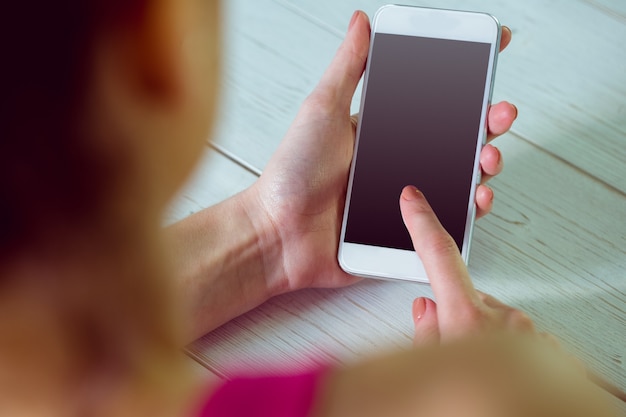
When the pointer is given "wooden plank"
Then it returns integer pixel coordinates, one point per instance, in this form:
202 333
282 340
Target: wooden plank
202 374
565 71
552 247
614 8
215 179
271 64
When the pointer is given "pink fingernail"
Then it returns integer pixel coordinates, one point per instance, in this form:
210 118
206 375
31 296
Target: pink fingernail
500 161
355 16
419 308
410 193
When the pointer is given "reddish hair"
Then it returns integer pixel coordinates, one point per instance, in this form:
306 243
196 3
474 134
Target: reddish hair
51 181
49 177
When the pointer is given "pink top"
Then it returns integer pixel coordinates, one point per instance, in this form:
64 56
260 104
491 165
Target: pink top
287 396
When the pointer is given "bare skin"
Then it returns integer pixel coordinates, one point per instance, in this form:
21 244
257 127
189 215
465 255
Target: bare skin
295 208
152 89
474 356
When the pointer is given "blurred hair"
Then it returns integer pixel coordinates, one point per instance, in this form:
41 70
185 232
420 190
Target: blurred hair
117 318
48 176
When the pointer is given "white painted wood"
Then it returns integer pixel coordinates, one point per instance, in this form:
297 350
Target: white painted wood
215 179
204 376
270 67
565 71
554 245
560 258
614 8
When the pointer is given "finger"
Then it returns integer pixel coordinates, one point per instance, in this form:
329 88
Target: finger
484 201
442 261
603 383
342 76
490 301
505 37
491 163
516 319
551 340
519 321
578 364
425 320
354 119
500 119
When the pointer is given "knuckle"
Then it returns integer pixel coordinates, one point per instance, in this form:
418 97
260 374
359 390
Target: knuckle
520 320
489 300
321 101
354 119
484 297
440 243
471 317
550 339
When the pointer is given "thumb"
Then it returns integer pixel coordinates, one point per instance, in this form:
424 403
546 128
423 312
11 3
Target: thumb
425 320
344 72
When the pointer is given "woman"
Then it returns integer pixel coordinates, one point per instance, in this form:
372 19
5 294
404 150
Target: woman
106 106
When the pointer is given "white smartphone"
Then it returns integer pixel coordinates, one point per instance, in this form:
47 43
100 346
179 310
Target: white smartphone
426 94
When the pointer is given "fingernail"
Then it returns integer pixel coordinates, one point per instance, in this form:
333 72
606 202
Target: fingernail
500 160
411 193
419 308
515 107
355 16
508 29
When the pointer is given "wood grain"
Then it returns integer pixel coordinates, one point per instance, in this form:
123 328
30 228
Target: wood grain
614 8
566 71
568 274
215 179
554 245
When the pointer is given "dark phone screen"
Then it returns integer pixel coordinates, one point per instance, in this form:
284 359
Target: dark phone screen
420 122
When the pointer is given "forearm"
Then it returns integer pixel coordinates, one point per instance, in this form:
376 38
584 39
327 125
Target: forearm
226 262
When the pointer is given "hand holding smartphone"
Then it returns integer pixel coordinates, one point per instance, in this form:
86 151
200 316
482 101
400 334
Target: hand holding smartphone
426 94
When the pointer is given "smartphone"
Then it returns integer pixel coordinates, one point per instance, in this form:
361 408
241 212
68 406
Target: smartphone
426 94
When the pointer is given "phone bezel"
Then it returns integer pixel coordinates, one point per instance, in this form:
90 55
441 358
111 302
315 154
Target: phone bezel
388 263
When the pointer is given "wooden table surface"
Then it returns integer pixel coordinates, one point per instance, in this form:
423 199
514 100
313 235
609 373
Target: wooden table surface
555 242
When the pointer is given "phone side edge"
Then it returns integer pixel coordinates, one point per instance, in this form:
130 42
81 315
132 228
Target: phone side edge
489 86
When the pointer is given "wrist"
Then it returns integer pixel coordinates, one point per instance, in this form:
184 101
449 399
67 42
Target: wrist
226 261
268 241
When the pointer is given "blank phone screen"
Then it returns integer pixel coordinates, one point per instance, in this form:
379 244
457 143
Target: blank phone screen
420 125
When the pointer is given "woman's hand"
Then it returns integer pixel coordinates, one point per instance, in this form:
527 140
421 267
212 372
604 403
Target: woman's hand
302 190
460 310
491 364
282 233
